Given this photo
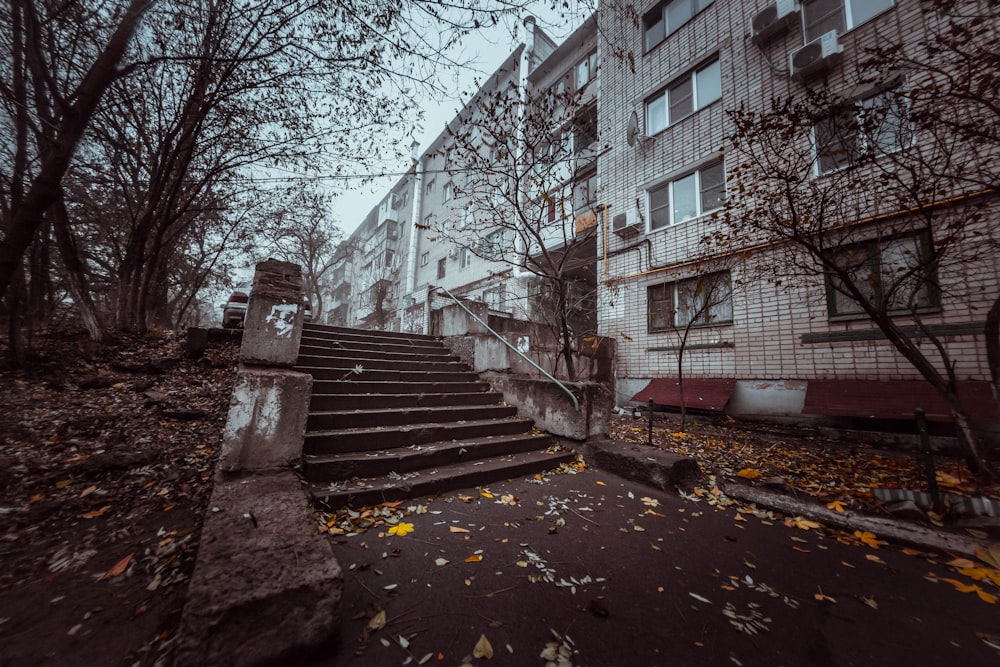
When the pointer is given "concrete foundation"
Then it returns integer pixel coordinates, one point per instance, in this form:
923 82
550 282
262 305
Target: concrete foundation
267 417
553 411
275 314
266 589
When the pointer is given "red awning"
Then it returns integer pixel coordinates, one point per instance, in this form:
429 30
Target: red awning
894 399
701 393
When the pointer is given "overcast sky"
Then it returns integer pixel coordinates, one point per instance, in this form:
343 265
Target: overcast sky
487 51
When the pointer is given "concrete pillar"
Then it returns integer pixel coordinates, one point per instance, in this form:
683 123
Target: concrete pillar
274 319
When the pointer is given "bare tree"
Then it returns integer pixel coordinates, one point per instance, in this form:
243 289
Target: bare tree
858 191
526 187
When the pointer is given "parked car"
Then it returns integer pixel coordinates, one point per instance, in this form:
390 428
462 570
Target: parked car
235 308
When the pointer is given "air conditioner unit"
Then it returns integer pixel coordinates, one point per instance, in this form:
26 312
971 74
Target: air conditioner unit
816 56
628 223
773 20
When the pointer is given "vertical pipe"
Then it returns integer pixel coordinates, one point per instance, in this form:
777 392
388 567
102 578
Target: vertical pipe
650 438
928 457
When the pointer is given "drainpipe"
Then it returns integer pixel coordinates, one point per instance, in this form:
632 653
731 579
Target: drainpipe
520 273
418 191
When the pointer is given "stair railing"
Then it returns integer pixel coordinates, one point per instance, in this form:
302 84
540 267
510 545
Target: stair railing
576 403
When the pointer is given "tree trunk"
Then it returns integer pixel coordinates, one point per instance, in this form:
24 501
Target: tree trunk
992 335
45 188
75 269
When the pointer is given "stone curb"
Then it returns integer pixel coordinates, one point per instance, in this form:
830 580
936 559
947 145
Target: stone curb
646 465
899 531
266 589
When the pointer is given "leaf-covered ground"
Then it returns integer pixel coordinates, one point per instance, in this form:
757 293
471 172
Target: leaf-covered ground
106 457
799 460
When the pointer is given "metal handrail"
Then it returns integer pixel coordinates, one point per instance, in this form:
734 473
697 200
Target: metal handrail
576 403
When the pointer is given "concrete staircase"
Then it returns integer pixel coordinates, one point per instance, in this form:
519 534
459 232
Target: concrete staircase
395 415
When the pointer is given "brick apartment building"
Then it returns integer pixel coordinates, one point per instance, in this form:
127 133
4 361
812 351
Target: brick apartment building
774 345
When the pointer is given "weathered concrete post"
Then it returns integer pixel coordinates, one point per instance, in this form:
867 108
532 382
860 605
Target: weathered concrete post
266 589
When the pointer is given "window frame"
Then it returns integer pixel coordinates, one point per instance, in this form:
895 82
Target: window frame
661 12
425 258
863 145
669 294
588 65
663 97
464 258
698 191
875 249
442 268
846 18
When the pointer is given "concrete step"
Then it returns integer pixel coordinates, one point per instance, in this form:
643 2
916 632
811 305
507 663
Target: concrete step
344 335
387 375
415 363
374 417
321 347
330 402
373 439
467 474
342 387
348 465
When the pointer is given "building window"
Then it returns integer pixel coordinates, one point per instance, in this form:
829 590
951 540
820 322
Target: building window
441 267
464 258
584 192
690 92
425 258
585 128
822 16
448 191
895 275
429 188
700 301
493 244
666 17
586 70
695 194
867 128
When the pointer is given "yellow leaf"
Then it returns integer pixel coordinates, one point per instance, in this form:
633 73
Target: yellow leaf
980 573
986 597
508 499
485 493
868 538
401 529
466 499
652 502
961 563
599 483
483 648
63 483
95 513
802 523
474 558
821 597
838 505
377 621
456 529
679 434
748 473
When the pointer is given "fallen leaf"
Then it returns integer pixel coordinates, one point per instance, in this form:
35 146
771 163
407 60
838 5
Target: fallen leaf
875 559
989 555
679 434
870 601
821 597
748 473
474 558
483 648
652 502
838 505
599 483
466 499
456 529
86 492
63 483
485 493
508 499
868 538
377 621
96 513
118 567
401 529
800 522
440 562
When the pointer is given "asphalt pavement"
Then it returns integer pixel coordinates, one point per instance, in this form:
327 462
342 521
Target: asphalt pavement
599 571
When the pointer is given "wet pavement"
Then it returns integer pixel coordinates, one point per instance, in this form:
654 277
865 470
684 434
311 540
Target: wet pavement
606 572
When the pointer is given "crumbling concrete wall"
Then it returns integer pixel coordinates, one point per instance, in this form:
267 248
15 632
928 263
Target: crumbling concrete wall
266 589
523 385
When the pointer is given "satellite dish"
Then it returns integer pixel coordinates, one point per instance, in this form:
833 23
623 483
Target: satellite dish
632 129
